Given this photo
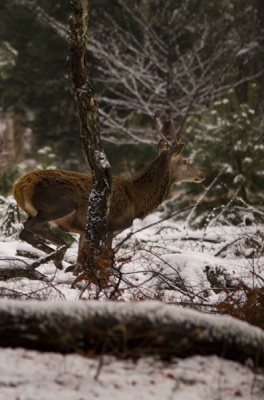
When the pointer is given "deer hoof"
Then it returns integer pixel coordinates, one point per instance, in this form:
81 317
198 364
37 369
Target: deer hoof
69 269
75 269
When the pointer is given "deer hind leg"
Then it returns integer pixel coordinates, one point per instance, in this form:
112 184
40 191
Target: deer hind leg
35 241
33 231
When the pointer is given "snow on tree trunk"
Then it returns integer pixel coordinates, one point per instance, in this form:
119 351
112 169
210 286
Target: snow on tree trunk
100 198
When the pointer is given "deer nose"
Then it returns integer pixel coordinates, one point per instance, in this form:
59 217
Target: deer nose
201 178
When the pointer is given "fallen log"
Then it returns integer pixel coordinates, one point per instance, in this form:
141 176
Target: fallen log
14 268
127 330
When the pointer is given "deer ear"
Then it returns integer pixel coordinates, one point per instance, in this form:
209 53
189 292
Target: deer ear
177 149
162 146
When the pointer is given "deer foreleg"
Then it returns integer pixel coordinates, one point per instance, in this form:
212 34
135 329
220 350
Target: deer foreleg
77 268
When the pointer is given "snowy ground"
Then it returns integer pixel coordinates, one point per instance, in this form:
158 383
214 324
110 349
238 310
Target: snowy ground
29 375
168 262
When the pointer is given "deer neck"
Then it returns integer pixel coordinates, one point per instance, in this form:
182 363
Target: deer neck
151 186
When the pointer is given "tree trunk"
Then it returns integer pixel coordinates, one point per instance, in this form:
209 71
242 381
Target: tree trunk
100 198
127 330
259 7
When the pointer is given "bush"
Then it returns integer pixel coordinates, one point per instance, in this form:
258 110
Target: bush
7 178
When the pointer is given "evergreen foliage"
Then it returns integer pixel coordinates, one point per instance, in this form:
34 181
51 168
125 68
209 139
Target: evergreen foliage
230 138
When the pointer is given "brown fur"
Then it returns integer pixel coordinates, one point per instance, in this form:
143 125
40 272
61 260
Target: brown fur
61 197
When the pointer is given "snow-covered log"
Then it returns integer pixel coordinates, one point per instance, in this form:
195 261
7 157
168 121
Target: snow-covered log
127 330
12 267
18 269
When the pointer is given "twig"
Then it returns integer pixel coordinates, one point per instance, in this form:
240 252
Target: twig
226 246
55 254
117 247
202 196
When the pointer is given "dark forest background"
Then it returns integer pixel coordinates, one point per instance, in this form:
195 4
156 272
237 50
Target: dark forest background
201 62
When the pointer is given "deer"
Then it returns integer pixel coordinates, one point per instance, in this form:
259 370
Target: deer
60 198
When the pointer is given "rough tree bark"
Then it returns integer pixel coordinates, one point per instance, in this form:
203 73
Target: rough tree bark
100 198
127 330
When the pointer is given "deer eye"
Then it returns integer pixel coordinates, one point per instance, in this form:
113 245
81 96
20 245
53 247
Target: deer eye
185 162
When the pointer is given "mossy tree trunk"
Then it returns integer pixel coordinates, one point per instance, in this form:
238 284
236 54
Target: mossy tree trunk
100 198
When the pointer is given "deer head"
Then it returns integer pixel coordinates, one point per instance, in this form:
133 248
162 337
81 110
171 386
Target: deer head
179 167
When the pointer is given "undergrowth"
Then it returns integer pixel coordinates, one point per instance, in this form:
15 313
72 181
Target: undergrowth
244 303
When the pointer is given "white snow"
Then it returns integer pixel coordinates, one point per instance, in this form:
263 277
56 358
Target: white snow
160 261
30 375
101 158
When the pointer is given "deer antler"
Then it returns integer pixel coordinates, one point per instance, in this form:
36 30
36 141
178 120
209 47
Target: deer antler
174 132
160 133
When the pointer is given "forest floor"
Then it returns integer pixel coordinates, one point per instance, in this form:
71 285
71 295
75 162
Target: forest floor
168 262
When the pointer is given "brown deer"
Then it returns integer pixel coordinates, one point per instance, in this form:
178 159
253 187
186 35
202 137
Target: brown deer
60 198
